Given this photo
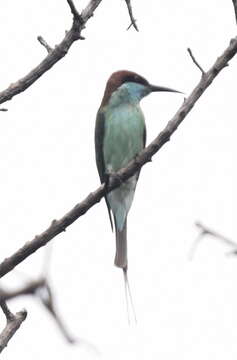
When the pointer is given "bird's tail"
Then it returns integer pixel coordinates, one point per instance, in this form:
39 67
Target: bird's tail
121 247
121 261
128 297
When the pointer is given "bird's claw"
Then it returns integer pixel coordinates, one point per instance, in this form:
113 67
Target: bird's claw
112 177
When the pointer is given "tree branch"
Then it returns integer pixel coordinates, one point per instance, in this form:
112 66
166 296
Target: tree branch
42 291
74 11
88 12
47 299
13 324
80 209
55 54
29 289
204 230
235 8
207 231
133 21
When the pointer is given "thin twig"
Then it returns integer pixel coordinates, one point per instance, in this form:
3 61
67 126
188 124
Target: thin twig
207 231
45 44
235 8
3 109
13 324
29 289
42 291
145 156
54 56
46 297
133 21
74 11
195 61
6 310
204 230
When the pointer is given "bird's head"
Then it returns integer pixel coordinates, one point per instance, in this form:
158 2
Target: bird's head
127 86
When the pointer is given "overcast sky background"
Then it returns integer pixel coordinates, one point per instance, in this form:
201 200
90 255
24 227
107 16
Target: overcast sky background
185 309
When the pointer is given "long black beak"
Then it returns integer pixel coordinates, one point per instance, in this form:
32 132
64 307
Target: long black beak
163 88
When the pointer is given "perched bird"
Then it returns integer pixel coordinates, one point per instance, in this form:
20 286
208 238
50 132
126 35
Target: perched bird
120 135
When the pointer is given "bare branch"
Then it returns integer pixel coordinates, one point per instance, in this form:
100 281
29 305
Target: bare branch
45 44
55 55
133 21
74 11
42 291
145 156
29 289
89 10
204 230
3 109
195 61
13 324
46 297
235 8
6 310
207 231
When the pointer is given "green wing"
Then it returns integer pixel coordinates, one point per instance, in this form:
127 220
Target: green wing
99 138
144 137
144 144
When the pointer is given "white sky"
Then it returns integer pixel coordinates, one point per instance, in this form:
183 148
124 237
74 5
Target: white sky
185 310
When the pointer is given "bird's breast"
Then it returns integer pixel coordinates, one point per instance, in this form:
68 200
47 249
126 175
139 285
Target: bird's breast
123 135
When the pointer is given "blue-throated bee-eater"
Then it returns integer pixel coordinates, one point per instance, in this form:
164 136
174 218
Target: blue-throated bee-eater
120 135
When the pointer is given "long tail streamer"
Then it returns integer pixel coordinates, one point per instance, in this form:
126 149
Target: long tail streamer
128 297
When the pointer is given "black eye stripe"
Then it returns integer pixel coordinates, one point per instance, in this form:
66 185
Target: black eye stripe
137 79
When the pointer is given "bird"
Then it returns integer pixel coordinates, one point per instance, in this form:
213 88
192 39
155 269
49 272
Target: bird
120 135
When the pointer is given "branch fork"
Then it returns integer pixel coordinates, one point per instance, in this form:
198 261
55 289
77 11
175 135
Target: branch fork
14 321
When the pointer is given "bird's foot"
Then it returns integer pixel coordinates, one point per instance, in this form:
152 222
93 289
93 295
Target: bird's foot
112 177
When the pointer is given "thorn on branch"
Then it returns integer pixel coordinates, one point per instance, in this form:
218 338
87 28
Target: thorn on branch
45 44
133 21
195 61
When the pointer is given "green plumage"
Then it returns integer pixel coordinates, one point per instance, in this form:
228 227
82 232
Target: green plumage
99 136
119 136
